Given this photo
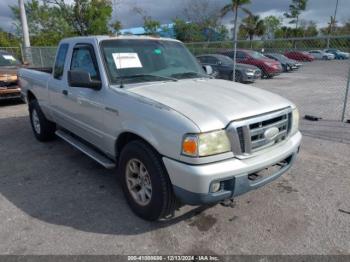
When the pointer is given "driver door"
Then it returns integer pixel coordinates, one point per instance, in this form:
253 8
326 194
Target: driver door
86 105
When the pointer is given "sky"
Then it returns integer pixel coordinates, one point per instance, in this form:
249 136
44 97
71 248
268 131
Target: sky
318 11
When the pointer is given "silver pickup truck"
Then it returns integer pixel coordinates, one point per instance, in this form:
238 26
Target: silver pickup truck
145 106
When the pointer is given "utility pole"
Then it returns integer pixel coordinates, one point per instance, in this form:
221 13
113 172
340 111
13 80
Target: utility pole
26 41
331 24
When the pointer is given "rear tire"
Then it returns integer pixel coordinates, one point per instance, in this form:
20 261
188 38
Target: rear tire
145 182
43 129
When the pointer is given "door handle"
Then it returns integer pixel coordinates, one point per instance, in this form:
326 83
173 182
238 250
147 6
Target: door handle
65 92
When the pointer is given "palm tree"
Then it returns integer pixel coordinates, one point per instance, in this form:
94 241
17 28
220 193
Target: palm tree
252 25
295 10
233 7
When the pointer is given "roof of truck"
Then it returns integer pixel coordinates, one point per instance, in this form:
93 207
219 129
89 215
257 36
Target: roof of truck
112 37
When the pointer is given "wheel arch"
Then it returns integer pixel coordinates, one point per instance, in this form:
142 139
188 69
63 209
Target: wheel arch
30 96
126 137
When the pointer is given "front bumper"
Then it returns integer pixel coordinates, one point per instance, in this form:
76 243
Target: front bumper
191 183
248 77
10 93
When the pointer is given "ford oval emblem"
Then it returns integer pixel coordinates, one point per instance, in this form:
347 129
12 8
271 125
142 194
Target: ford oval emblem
271 133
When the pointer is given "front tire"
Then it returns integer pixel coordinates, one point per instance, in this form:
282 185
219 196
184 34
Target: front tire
145 182
265 75
238 77
43 129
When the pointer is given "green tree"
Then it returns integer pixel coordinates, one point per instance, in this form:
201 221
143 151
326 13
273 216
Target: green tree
87 17
295 10
8 39
47 25
233 7
116 26
272 24
222 33
252 26
310 30
151 26
207 16
187 32
284 32
51 20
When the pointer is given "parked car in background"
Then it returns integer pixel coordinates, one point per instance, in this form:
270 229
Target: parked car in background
223 65
321 55
287 64
269 67
299 56
8 76
337 53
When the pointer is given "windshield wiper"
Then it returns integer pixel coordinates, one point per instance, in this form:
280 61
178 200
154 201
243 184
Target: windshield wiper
146 75
185 74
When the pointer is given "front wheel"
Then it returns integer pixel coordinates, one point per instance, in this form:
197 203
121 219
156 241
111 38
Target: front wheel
265 75
238 77
44 130
145 182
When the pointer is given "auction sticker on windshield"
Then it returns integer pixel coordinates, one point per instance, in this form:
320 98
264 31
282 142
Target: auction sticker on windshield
9 57
126 60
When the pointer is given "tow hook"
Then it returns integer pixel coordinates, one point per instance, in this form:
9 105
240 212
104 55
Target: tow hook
230 202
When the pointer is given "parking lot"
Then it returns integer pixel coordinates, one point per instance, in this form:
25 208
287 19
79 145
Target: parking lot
55 200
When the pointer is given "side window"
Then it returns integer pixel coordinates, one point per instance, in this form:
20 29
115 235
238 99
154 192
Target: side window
240 55
212 60
83 59
203 59
60 59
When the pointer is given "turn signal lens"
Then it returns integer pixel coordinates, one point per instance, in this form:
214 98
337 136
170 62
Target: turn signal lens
189 146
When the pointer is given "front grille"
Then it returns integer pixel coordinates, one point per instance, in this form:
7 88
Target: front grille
8 84
250 135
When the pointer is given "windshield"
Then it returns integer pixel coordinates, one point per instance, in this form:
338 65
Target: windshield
279 56
226 60
8 60
135 60
256 55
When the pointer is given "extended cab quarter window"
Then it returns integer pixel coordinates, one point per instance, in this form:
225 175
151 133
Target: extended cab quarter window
60 59
83 59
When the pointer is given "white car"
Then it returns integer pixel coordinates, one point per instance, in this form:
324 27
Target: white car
319 54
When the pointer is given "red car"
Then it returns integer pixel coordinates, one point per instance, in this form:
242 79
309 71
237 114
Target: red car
300 56
269 67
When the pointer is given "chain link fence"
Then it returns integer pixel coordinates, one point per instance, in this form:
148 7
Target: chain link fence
39 56
319 87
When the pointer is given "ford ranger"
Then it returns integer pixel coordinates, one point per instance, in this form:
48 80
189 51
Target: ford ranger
146 106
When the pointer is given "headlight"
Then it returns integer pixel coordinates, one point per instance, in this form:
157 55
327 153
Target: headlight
250 72
295 121
206 144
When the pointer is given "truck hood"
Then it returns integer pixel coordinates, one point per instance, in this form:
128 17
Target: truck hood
212 103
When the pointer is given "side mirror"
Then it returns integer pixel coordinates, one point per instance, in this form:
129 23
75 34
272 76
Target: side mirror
83 79
208 69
